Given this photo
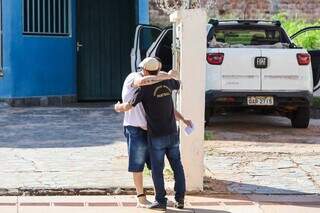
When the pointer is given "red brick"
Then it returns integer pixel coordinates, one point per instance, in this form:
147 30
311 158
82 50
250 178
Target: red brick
251 9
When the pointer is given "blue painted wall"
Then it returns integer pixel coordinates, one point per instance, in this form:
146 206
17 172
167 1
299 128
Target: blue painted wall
41 65
143 11
36 65
6 82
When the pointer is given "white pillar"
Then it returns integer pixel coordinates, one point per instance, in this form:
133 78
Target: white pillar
190 59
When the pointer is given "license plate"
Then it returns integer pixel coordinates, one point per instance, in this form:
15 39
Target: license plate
260 101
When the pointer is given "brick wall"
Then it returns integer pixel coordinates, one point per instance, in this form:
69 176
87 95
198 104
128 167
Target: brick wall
249 9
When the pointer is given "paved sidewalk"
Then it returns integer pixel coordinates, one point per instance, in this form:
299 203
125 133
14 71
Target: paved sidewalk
63 148
118 204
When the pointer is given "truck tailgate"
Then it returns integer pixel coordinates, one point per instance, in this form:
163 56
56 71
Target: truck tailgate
238 71
284 72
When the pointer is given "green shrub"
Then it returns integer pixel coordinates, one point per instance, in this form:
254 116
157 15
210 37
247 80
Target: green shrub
309 40
316 102
208 136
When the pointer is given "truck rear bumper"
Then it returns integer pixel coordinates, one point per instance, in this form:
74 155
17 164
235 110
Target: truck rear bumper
239 99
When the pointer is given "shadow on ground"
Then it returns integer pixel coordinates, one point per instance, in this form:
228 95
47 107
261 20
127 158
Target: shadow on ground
256 128
81 126
213 186
187 210
221 189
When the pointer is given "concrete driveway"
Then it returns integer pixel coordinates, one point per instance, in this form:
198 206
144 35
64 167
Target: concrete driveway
264 155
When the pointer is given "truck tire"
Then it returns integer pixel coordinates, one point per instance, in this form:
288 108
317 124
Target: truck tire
301 118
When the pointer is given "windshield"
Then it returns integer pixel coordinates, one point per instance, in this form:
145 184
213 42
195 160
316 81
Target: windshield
247 36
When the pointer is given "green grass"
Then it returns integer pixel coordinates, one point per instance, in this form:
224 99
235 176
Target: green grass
316 102
146 171
208 136
168 174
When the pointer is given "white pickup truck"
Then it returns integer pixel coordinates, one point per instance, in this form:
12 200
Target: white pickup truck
252 65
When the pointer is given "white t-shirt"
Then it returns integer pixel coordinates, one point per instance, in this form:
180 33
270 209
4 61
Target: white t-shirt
136 116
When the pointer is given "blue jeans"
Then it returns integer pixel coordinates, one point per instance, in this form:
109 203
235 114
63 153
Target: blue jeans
137 141
169 146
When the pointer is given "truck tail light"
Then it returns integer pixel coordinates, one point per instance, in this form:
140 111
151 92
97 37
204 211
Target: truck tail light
303 58
215 58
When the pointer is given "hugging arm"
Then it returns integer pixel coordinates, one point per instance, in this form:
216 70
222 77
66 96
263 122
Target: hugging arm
124 107
152 79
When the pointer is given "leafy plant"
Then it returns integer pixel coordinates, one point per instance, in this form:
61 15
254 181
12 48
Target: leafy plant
309 40
316 102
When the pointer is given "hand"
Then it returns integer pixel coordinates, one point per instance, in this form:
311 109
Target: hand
117 107
188 123
174 74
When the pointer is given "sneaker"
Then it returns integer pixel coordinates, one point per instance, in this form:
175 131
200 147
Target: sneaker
179 204
158 206
142 201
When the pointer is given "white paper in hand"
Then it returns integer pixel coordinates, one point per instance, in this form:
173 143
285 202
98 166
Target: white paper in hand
189 130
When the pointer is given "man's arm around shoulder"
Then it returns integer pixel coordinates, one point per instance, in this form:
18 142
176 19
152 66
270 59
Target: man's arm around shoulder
136 99
149 80
122 107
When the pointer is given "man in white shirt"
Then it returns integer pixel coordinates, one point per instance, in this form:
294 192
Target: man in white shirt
135 129
135 123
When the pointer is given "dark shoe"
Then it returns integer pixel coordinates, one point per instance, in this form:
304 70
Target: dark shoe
158 206
179 204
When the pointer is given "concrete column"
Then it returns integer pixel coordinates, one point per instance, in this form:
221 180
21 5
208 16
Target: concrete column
190 60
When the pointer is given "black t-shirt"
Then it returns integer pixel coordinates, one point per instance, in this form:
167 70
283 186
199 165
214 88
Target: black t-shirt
158 105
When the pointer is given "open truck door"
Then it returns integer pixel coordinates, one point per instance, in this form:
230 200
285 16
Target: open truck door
162 48
145 36
314 52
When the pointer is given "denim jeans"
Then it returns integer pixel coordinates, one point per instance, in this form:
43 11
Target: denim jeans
169 146
137 141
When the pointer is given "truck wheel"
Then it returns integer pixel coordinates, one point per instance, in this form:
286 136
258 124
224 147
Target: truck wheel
301 118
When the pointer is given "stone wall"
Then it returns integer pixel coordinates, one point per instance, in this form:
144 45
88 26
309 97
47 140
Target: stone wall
249 9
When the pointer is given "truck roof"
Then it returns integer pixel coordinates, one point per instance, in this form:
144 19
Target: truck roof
239 22
247 25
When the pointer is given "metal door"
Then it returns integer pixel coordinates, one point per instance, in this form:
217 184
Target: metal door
105 32
314 52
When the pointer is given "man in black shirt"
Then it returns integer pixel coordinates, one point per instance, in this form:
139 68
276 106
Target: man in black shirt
163 136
